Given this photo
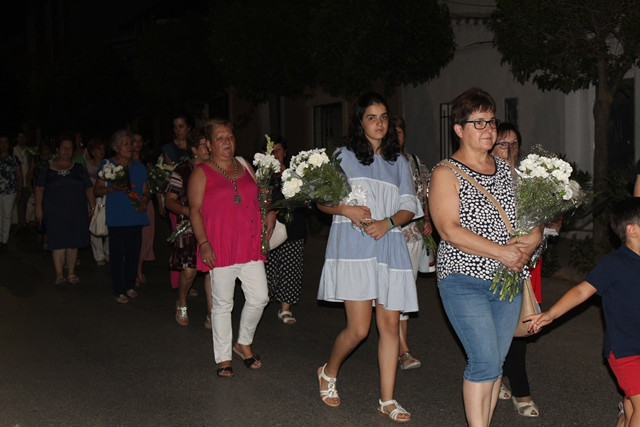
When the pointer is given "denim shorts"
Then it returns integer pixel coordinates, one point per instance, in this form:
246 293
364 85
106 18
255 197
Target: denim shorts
483 323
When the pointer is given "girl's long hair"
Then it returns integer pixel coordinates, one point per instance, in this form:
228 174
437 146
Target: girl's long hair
357 141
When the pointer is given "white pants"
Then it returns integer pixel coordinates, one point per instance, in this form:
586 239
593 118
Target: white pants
6 211
256 294
100 247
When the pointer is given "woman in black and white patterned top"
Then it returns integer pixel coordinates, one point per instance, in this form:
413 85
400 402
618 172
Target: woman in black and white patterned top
475 241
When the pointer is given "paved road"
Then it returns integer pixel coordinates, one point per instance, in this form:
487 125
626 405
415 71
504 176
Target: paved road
75 357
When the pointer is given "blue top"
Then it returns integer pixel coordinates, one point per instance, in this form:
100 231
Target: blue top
358 267
617 279
175 153
119 211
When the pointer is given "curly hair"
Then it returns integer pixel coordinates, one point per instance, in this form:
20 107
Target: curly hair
357 141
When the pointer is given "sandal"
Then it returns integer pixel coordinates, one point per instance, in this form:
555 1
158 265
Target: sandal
287 317
252 362
131 293
394 414
505 393
526 409
60 281
407 361
224 372
181 315
331 392
73 279
122 299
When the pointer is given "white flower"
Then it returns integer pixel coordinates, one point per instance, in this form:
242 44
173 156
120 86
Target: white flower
318 159
300 169
291 187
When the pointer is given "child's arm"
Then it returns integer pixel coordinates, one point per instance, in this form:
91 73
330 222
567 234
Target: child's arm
572 298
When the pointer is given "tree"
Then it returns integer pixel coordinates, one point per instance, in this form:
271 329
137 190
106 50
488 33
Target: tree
262 48
568 45
358 46
173 65
88 88
293 48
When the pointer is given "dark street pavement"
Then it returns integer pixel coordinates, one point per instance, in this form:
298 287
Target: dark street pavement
75 357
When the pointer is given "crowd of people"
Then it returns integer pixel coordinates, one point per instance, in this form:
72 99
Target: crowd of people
371 263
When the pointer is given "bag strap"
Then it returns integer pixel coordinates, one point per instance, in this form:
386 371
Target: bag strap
244 163
483 190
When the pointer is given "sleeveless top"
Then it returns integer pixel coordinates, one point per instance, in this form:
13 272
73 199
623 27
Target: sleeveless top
480 216
234 230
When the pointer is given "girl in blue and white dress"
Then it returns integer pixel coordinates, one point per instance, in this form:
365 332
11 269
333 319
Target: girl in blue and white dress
367 261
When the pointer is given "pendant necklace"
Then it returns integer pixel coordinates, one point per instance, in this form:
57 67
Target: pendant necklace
236 198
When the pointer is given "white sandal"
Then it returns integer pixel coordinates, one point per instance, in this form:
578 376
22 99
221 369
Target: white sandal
287 317
505 393
331 392
526 409
393 415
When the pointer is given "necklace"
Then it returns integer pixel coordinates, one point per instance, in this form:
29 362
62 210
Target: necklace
236 198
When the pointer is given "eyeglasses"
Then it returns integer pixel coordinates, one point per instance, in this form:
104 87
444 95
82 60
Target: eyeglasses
503 144
480 124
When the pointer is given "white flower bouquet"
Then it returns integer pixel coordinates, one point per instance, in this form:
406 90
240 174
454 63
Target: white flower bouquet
314 176
114 173
118 175
159 177
266 164
543 192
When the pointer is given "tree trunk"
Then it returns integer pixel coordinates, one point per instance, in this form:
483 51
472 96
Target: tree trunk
601 114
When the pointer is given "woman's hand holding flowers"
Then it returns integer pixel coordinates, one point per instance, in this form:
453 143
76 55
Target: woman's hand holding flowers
514 255
360 216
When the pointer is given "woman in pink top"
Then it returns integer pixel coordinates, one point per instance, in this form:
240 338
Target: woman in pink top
225 217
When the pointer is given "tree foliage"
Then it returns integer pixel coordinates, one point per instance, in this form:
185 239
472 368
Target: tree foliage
173 64
292 48
357 46
569 45
88 88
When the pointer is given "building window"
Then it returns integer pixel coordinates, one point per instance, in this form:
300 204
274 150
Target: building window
511 111
327 125
448 139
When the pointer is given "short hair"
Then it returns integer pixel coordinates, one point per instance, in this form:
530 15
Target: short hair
66 136
193 140
357 141
184 116
117 137
216 123
505 127
469 102
624 213
93 144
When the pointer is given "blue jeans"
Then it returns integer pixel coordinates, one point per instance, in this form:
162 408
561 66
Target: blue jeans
483 324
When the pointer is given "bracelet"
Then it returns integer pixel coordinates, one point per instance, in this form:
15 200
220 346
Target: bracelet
390 223
200 245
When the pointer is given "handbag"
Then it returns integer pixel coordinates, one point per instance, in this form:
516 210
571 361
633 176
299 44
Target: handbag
98 224
529 304
279 234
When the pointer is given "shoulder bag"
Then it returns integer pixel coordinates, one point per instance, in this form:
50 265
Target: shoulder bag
98 226
529 304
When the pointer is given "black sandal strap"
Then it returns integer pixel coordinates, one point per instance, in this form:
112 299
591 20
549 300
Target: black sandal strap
251 360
